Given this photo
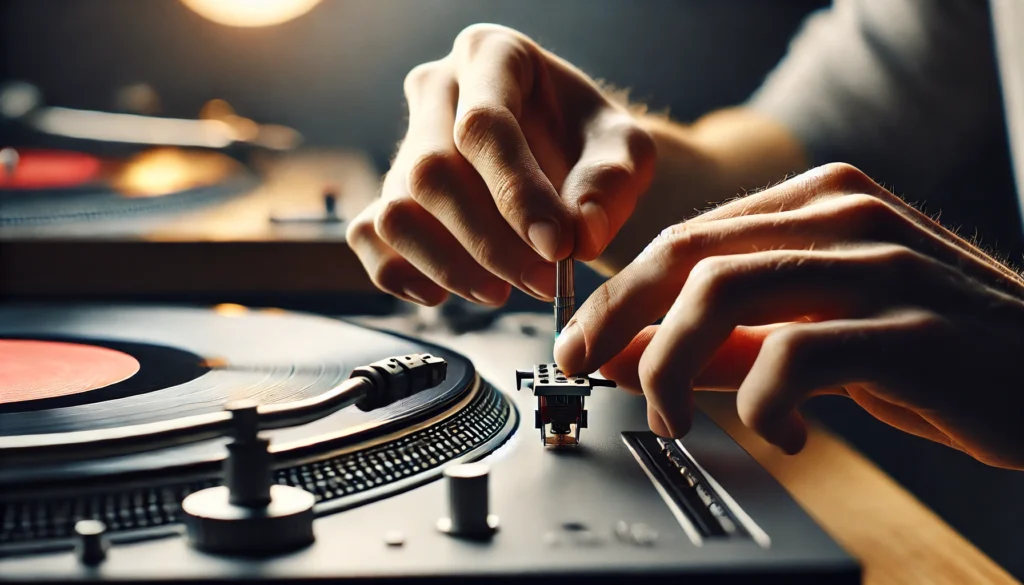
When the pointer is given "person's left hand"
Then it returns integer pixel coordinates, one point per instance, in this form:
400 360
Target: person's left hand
826 283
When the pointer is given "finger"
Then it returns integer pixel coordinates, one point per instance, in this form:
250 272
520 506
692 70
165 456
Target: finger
764 288
623 367
385 267
495 72
827 181
645 289
656 422
725 371
415 234
442 182
804 189
799 358
898 416
615 167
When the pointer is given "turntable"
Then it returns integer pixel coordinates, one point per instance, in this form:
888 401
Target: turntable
109 471
116 205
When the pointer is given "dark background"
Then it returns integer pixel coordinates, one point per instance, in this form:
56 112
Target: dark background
336 75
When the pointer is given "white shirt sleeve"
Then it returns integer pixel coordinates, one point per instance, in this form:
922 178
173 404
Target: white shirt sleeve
905 89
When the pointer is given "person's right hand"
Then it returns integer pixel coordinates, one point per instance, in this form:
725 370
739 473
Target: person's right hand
513 159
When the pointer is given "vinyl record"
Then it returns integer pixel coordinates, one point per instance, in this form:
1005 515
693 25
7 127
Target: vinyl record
193 361
52 186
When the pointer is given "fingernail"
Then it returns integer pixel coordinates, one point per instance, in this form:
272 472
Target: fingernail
571 348
417 291
597 223
540 278
544 237
491 293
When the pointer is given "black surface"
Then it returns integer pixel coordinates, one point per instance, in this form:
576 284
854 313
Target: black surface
537 493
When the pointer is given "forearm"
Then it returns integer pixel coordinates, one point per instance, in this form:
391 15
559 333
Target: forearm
717 157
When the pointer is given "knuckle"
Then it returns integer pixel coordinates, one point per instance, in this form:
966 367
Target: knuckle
419 77
430 172
641 145
651 373
751 414
395 217
756 416
791 351
387 274
845 178
866 211
678 242
788 344
359 231
507 193
712 278
476 125
930 325
901 260
471 39
613 174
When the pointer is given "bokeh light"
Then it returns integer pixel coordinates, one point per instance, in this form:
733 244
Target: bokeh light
251 12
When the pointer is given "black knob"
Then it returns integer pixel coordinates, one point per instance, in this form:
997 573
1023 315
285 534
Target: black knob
92 541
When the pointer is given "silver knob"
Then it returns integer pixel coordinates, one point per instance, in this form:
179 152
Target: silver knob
469 516
92 541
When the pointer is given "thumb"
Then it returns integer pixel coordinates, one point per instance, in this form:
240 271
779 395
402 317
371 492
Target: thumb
615 166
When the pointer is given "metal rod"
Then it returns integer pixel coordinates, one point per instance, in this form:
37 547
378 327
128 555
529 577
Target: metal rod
565 293
119 441
382 382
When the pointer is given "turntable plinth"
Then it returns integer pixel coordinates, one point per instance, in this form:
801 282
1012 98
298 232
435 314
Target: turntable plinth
226 250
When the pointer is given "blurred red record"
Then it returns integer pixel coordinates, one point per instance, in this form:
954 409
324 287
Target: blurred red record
38 169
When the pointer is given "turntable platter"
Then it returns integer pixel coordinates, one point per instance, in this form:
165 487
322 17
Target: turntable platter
193 361
56 187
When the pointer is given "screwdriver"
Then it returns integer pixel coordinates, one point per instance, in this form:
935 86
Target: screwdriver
565 293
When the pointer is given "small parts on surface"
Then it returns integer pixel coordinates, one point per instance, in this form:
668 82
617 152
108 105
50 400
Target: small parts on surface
560 402
328 214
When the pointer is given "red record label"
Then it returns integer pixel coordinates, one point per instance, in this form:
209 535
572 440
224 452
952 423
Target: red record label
51 169
34 370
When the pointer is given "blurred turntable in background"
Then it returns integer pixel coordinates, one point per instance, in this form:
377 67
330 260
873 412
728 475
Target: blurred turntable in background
92 200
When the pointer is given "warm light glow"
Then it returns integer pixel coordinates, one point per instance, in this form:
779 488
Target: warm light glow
162 171
230 310
251 12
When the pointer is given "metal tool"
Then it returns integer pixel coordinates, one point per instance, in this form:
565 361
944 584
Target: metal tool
565 293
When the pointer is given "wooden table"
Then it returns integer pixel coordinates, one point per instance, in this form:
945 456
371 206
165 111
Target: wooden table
897 539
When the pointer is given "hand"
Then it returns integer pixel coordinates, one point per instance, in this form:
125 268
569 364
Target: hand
826 283
513 159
